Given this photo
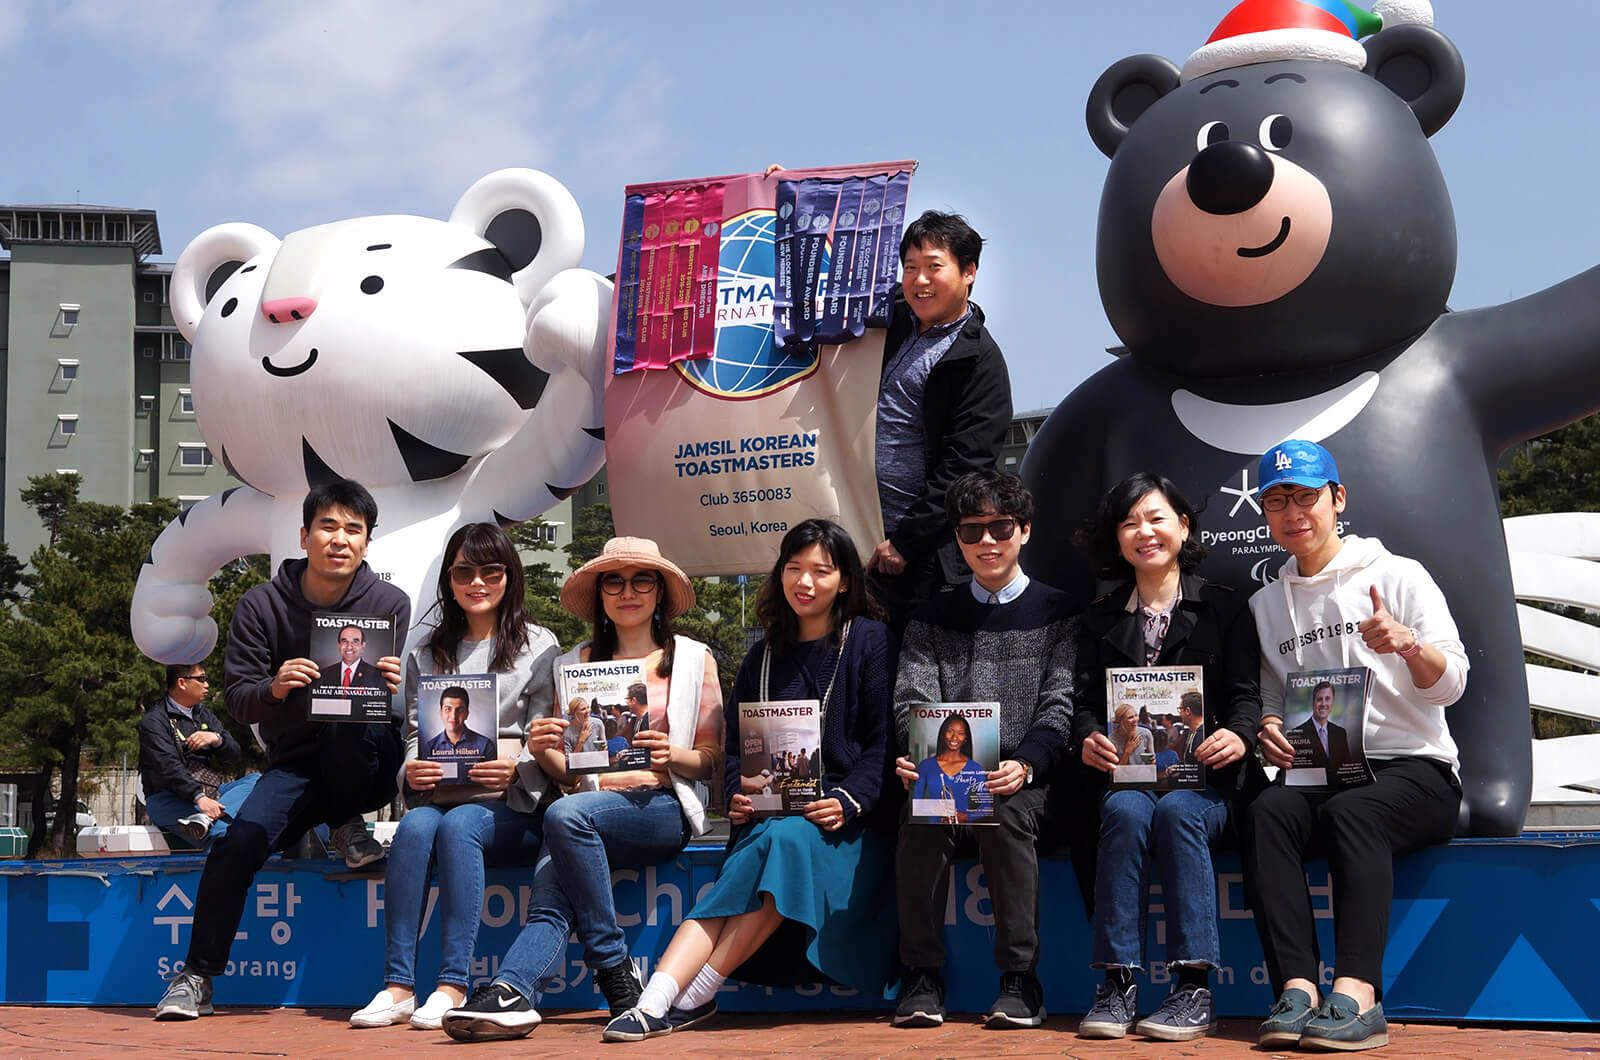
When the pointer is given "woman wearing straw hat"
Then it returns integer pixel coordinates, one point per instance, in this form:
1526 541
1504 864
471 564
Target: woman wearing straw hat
630 594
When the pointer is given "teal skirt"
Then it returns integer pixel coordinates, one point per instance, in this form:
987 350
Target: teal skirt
835 892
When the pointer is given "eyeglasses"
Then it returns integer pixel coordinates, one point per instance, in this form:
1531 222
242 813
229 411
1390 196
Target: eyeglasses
999 529
466 573
202 678
643 584
1277 502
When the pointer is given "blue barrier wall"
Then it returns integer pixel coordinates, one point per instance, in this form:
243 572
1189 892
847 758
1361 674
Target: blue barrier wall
1486 929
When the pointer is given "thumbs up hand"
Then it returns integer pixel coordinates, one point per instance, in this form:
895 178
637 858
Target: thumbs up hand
1382 632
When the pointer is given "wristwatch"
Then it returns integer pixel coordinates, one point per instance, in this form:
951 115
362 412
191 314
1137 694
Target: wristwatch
1027 772
1416 645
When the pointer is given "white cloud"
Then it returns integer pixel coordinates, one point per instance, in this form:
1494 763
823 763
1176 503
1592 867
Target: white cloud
404 102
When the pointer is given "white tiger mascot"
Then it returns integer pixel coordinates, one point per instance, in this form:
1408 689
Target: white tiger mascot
454 368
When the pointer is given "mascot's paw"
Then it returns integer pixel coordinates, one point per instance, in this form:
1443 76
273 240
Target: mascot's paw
172 623
567 324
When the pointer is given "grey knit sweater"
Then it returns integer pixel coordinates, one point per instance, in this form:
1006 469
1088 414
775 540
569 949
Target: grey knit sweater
1021 654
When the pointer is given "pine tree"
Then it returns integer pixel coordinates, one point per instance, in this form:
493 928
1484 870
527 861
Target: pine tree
66 656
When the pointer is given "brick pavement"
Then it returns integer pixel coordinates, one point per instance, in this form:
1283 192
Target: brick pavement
130 1034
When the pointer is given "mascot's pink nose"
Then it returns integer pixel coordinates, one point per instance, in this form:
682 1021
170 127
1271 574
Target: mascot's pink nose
288 310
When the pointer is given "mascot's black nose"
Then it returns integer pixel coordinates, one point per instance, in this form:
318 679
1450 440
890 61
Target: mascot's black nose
1229 177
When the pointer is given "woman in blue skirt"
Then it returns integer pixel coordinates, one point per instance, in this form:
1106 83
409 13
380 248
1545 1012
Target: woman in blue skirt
800 898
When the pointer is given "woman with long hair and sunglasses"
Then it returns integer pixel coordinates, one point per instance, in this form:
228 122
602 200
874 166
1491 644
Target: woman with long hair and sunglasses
627 819
455 829
800 898
1145 539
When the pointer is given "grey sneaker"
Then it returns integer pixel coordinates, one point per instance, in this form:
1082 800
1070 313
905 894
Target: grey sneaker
1340 1025
1286 1021
359 848
1112 1013
1185 1015
188 997
195 827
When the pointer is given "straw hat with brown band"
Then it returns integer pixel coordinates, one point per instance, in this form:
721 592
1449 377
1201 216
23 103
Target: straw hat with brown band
578 595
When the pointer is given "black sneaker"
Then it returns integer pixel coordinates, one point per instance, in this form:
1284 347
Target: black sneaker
358 847
620 984
188 997
1185 1015
494 1012
635 1025
1020 1004
681 1018
922 1002
1113 1012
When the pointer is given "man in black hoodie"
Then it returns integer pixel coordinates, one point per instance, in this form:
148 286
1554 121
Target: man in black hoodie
318 772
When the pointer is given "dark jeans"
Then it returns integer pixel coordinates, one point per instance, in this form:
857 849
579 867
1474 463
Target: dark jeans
353 772
1010 868
1411 805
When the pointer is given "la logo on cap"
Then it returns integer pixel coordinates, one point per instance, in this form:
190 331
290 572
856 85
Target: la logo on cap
1282 461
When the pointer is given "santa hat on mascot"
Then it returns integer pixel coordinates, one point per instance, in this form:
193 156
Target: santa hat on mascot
1264 31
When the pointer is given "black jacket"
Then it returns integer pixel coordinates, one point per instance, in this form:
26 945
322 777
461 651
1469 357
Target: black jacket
966 411
272 623
162 765
1212 627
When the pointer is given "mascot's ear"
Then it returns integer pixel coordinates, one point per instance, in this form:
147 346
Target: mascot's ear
1124 92
532 219
1421 66
206 263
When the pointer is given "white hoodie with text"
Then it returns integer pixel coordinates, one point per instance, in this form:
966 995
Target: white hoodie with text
1309 623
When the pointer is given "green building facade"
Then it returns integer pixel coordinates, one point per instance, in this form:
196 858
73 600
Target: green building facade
95 374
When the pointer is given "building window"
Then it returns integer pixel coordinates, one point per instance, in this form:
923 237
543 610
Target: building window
147 402
149 296
67 423
186 402
69 369
194 456
145 456
69 314
149 351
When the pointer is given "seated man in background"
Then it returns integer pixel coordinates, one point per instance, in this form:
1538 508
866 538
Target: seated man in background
183 751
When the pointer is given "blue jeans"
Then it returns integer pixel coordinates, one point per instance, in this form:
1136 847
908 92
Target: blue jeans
165 809
1178 830
457 842
586 836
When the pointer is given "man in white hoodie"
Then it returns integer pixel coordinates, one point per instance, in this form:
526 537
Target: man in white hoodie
1341 602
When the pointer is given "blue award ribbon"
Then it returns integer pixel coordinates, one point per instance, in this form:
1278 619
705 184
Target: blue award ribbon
783 264
628 283
889 231
866 254
832 328
818 201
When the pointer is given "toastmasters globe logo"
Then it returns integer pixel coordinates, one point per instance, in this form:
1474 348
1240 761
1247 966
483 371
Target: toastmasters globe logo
745 363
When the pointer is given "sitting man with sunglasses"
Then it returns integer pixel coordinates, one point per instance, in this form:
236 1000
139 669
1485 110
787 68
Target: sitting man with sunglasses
183 750
1008 640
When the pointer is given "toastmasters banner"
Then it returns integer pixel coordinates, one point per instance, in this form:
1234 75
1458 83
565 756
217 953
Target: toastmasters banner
742 396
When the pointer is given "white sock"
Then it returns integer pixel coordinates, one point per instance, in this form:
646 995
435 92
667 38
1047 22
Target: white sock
659 994
702 988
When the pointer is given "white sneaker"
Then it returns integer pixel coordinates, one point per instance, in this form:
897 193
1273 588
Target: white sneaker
430 1017
383 1011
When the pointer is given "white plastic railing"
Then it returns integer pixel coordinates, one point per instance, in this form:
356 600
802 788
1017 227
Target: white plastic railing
1554 560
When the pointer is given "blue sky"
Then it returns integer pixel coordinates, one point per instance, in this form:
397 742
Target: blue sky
296 112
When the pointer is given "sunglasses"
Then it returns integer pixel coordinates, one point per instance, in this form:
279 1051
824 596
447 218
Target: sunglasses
202 678
999 529
466 573
643 584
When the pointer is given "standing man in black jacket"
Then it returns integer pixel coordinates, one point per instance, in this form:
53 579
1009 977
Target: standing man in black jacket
183 750
944 405
319 772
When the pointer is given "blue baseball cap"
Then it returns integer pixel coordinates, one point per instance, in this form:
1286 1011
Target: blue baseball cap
1298 463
